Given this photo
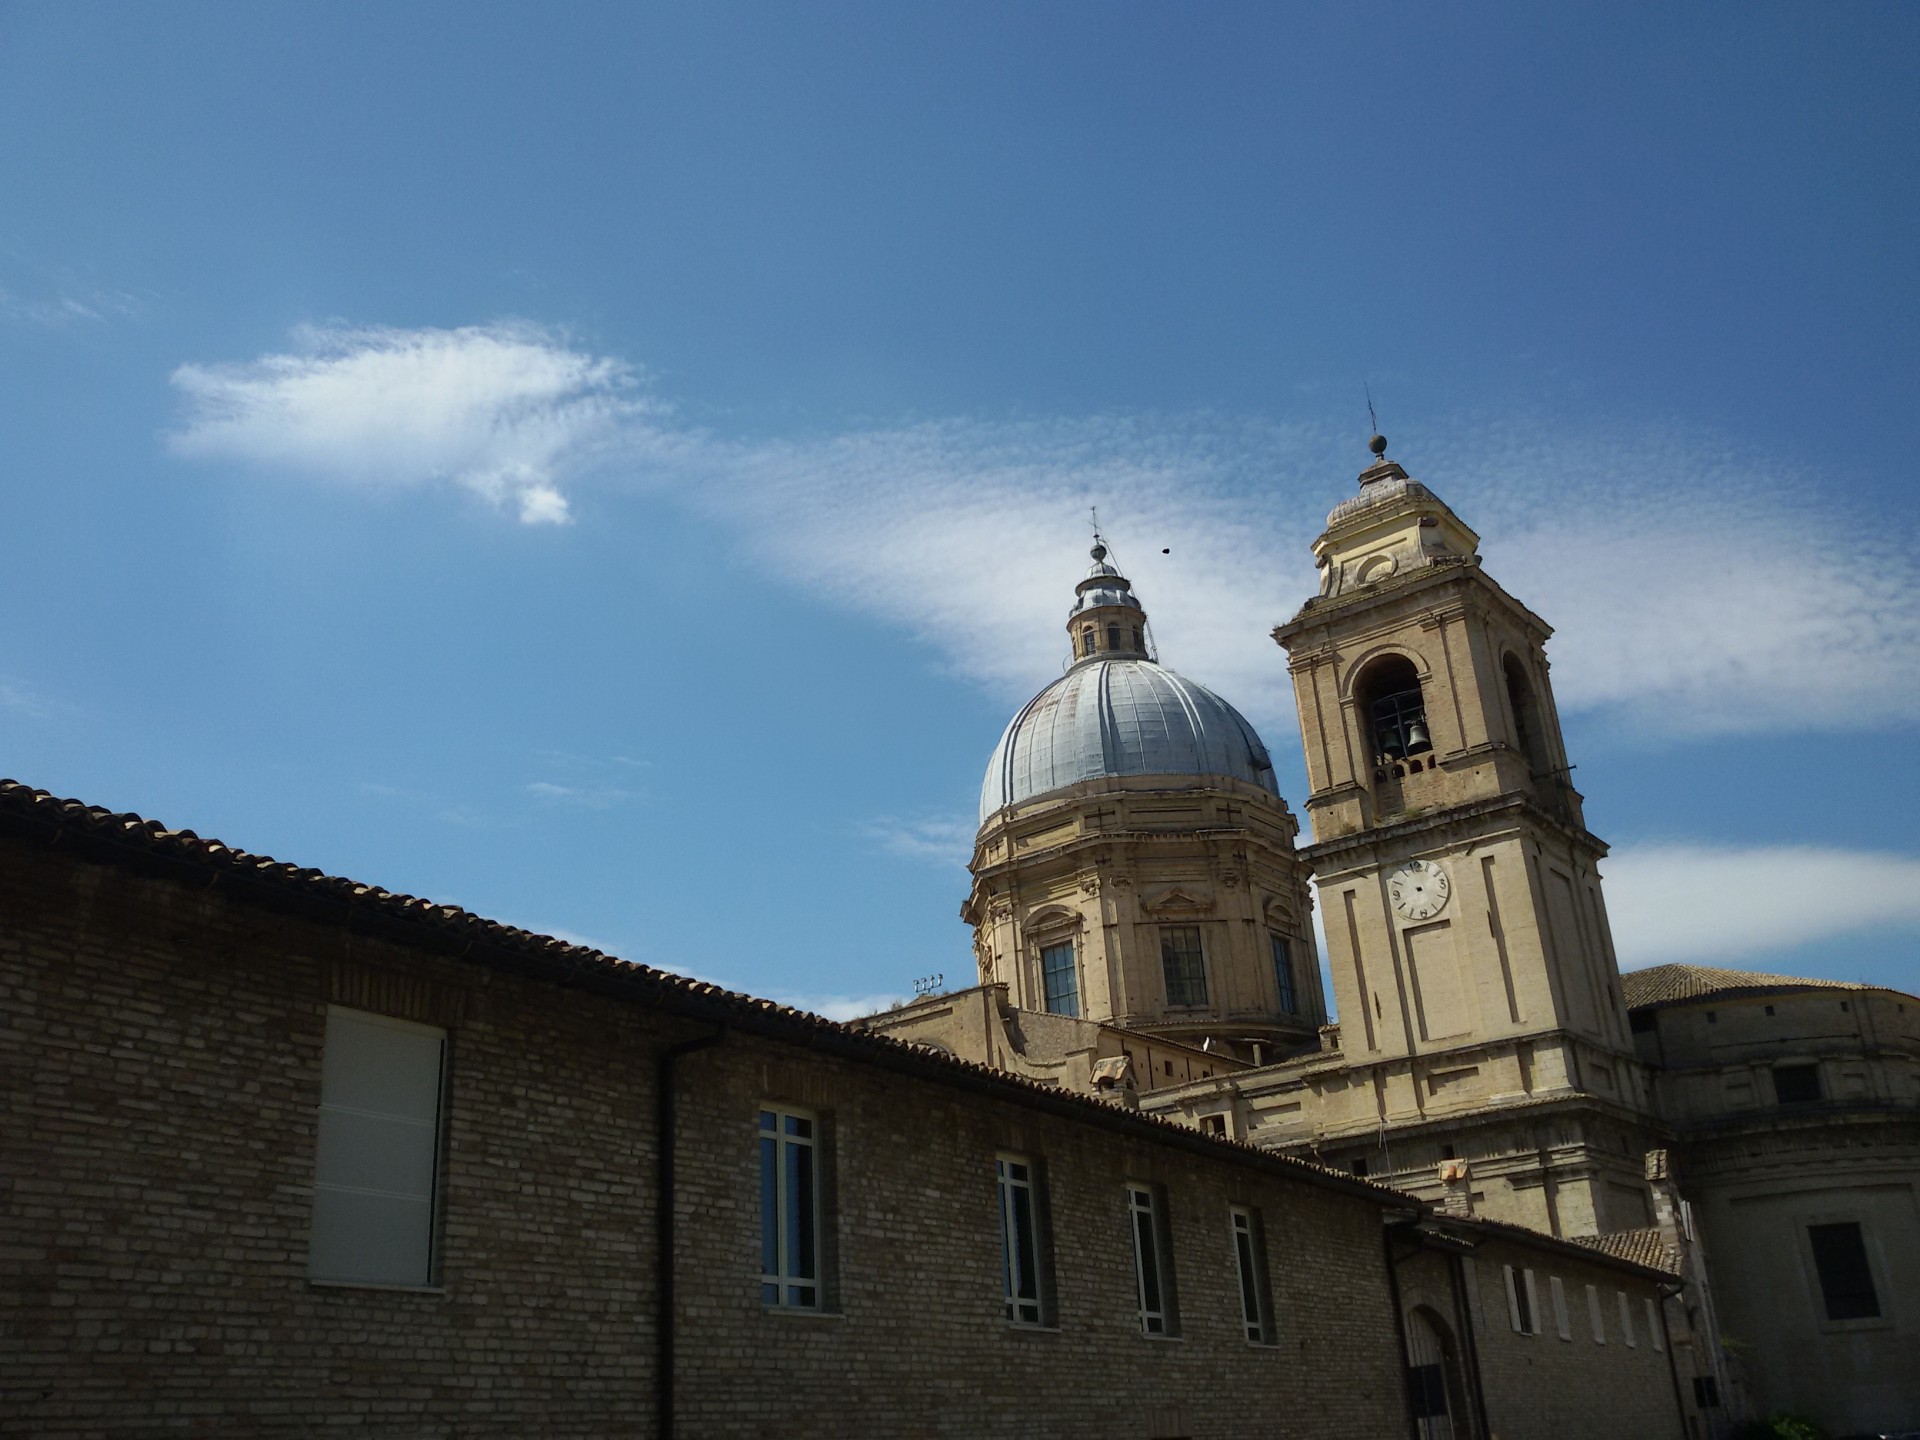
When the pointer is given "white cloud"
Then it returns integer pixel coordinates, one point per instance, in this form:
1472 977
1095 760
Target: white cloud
941 840
581 797
841 1007
507 411
23 699
1696 589
1723 904
62 308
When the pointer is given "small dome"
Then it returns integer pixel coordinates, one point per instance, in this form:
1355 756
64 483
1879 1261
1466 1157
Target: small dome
1120 717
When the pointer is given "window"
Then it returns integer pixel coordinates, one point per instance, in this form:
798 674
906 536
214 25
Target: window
1113 637
1140 645
1152 1269
1359 1165
1393 710
1595 1317
1560 1321
1655 1332
1283 973
1214 1125
1523 1300
1846 1280
1626 1319
376 1165
789 1209
1060 978
1706 1392
1086 641
1185 966
1250 1253
1019 1238
1796 1084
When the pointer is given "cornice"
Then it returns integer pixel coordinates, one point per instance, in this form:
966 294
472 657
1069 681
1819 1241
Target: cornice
1449 817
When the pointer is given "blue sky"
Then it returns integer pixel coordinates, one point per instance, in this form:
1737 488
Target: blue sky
618 467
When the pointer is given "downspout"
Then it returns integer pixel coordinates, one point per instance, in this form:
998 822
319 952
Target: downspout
664 1228
1400 1325
1666 1335
1463 1309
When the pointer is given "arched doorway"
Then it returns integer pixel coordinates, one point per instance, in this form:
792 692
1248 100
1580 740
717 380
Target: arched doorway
1431 1375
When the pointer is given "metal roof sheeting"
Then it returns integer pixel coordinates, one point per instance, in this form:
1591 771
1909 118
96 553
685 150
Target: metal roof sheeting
1120 717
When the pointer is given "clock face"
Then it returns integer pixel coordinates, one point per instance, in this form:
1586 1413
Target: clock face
1418 890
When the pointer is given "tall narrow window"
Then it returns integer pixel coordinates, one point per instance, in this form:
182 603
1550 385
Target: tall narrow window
1086 641
1060 978
1626 1319
1596 1318
1522 1301
1283 973
1019 1239
1113 637
376 1166
1140 644
1846 1280
1250 1255
1654 1331
1560 1321
789 1209
1185 965
1150 1266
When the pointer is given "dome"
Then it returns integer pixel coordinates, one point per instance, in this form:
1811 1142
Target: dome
1124 716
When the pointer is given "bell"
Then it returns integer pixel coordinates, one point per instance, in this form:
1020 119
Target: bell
1417 737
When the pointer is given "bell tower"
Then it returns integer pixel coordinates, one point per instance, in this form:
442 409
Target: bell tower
1466 932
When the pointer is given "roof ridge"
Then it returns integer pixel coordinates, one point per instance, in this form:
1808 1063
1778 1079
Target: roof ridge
703 1000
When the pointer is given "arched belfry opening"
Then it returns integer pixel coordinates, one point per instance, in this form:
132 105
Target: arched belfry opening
1528 732
1392 710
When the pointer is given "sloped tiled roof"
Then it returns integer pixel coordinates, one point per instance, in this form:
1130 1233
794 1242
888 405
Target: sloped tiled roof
1640 1247
1668 984
131 842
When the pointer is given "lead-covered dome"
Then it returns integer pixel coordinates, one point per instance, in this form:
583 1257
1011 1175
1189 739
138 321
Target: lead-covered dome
1120 717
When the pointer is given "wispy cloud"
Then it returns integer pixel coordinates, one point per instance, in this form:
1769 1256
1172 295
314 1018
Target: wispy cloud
1683 902
23 699
1696 589
506 411
940 840
841 1007
61 308
580 797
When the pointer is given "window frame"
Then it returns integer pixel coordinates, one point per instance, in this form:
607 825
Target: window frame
1523 1300
429 1273
1799 1070
1286 980
1875 1278
1562 1322
1152 1261
1072 972
1626 1320
1248 1233
1198 971
784 1279
1596 1316
1033 1311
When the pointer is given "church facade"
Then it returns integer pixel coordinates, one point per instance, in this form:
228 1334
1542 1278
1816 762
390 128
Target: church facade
1138 882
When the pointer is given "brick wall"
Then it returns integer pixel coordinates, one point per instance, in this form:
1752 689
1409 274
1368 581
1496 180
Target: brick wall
161 1049
1537 1384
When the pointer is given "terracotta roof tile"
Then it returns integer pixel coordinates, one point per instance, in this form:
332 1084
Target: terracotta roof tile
135 842
1641 1247
1670 984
